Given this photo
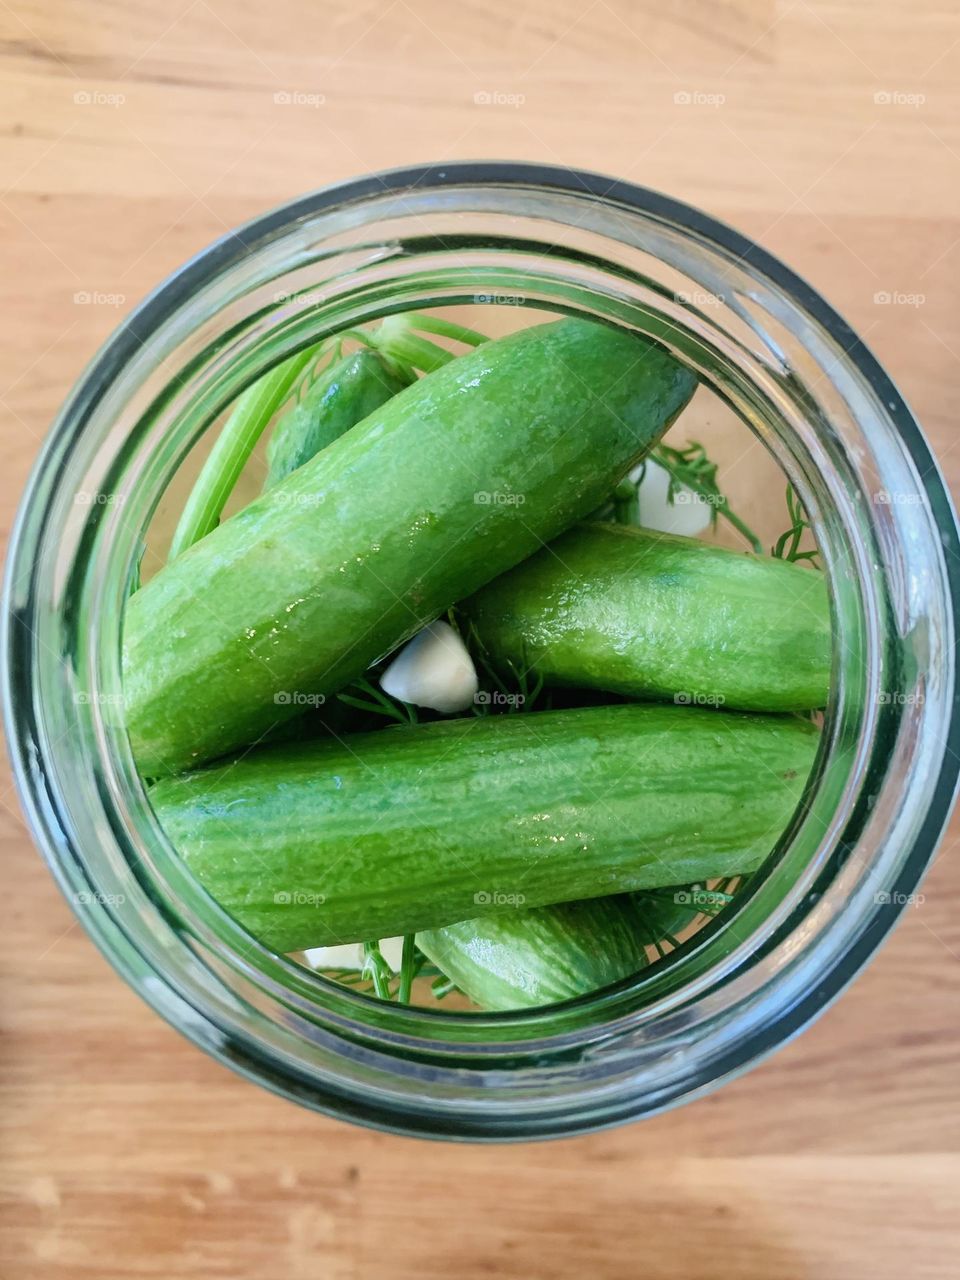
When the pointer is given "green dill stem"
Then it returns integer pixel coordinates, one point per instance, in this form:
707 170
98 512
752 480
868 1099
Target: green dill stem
743 529
788 544
406 969
362 704
478 652
406 348
376 966
520 698
244 427
379 702
448 329
396 340
692 467
357 335
626 503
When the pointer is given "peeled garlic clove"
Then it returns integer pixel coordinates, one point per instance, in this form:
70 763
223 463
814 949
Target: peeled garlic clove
433 670
349 955
688 514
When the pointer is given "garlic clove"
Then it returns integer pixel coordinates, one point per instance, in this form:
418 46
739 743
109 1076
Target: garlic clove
688 514
433 670
349 955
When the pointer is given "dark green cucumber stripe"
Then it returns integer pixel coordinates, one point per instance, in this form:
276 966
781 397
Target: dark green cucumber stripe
534 956
413 828
648 615
343 395
449 483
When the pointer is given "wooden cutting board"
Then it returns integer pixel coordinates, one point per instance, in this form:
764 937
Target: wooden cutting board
132 134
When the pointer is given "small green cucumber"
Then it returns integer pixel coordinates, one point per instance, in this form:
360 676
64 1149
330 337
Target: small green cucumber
345 393
449 483
415 827
539 955
648 615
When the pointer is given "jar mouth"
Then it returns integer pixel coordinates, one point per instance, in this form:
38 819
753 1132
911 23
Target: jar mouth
794 371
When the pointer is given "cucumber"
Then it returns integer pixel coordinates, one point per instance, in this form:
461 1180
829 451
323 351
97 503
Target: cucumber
454 480
343 395
539 955
651 616
416 827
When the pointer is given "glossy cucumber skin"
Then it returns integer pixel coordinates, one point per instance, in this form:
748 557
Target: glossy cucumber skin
654 616
343 395
539 955
417 827
451 482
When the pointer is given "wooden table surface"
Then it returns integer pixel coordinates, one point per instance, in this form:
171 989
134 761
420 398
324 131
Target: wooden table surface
132 134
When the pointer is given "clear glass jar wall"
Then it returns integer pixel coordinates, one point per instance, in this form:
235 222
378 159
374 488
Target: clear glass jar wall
773 350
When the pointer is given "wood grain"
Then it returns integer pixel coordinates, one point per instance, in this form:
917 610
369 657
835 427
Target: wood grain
133 134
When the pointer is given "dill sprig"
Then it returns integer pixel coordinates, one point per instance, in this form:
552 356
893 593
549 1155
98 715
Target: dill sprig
666 915
447 329
252 412
626 502
442 987
376 968
523 694
360 979
408 965
369 697
396 338
376 978
788 545
692 468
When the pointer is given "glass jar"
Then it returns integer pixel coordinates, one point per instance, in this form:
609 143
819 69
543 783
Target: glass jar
775 352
